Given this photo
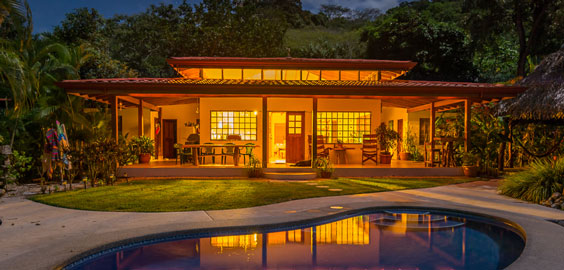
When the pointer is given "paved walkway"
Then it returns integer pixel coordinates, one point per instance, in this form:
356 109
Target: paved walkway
37 236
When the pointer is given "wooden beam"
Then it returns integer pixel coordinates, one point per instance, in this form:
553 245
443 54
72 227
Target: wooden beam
432 127
438 104
137 101
114 118
264 132
467 126
160 138
140 119
314 133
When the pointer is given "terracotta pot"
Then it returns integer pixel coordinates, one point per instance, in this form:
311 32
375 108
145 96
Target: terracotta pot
470 171
325 174
144 158
385 159
405 156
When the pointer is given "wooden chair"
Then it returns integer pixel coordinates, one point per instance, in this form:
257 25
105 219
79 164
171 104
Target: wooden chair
184 154
228 150
248 151
207 151
432 156
370 148
322 151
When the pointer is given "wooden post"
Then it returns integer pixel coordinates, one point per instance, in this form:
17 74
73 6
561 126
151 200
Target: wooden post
432 127
467 127
264 132
114 115
140 118
160 138
314 133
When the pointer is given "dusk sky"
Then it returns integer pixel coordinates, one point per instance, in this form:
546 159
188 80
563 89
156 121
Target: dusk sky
48 13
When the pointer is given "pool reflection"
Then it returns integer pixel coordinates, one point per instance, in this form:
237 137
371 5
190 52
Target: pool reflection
386 240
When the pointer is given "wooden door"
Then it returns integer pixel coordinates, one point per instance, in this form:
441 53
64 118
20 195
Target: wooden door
169 138
400 139
295 137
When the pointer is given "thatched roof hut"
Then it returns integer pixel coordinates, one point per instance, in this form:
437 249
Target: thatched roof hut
544 98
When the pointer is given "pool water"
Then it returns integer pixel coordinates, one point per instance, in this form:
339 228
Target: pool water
394 239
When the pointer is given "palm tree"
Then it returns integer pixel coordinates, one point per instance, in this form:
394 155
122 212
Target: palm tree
8 7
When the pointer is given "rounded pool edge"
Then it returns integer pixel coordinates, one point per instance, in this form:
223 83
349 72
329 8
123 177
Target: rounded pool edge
276 226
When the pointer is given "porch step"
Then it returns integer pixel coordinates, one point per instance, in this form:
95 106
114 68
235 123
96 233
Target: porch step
290 175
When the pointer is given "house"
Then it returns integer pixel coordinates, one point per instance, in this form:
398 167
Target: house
282 105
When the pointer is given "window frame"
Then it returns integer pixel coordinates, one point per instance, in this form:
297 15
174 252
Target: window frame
356 126
243 136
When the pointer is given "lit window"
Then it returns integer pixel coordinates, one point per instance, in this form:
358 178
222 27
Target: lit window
212 73
232 73
349 75
310 75
330 75
252 74
288 74
368 75
225 123
346 127
272 74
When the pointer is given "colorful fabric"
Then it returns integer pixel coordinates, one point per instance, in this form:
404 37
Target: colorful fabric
53 144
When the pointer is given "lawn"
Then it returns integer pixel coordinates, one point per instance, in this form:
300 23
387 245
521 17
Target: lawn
190 195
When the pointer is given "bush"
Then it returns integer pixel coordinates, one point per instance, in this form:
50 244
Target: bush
253 167
323 167
536 184
20 164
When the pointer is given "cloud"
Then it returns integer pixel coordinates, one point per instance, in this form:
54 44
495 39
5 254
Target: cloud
382 5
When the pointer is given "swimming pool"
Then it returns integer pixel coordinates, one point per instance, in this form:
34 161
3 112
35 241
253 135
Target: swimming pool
381 239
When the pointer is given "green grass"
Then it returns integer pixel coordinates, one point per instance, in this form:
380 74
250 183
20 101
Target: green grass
190 195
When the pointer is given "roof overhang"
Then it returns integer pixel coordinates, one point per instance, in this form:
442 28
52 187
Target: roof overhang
168 91
289 63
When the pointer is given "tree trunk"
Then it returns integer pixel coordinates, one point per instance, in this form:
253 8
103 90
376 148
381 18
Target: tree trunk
501 157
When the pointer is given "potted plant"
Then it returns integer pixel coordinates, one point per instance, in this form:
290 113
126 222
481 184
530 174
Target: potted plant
253 167
469 164
144 147
324 168
409 147
387 138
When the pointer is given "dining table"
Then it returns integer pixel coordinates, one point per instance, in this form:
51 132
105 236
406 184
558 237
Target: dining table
236 150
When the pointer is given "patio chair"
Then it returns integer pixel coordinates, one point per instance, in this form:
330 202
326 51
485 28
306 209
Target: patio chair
184 154
228 150
322 151
369 148
248 152
207 151
431 155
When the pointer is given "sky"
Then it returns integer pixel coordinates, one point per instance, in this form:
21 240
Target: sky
49 13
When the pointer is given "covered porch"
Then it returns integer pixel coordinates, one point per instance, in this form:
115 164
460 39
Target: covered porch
285 111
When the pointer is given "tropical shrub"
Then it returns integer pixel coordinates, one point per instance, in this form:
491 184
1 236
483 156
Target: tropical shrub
253 167
142 145
536 184
20 164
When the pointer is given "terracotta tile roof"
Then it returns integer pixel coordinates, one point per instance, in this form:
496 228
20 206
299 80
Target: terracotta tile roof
183 81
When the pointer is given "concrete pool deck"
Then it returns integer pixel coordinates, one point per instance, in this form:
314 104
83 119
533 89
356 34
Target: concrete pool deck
37 236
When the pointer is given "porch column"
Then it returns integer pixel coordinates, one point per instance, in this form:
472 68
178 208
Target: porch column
140 118
114 117
264 131
314 132
160 136
432 126
467 117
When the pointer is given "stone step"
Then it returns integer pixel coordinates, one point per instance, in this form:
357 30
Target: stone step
290 175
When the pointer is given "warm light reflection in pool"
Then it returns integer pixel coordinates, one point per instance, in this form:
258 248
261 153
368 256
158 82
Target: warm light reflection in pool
384 240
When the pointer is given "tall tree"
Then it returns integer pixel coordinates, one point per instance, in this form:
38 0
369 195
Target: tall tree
532 21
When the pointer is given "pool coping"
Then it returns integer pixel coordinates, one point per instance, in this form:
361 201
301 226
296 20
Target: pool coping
527 229
55 249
